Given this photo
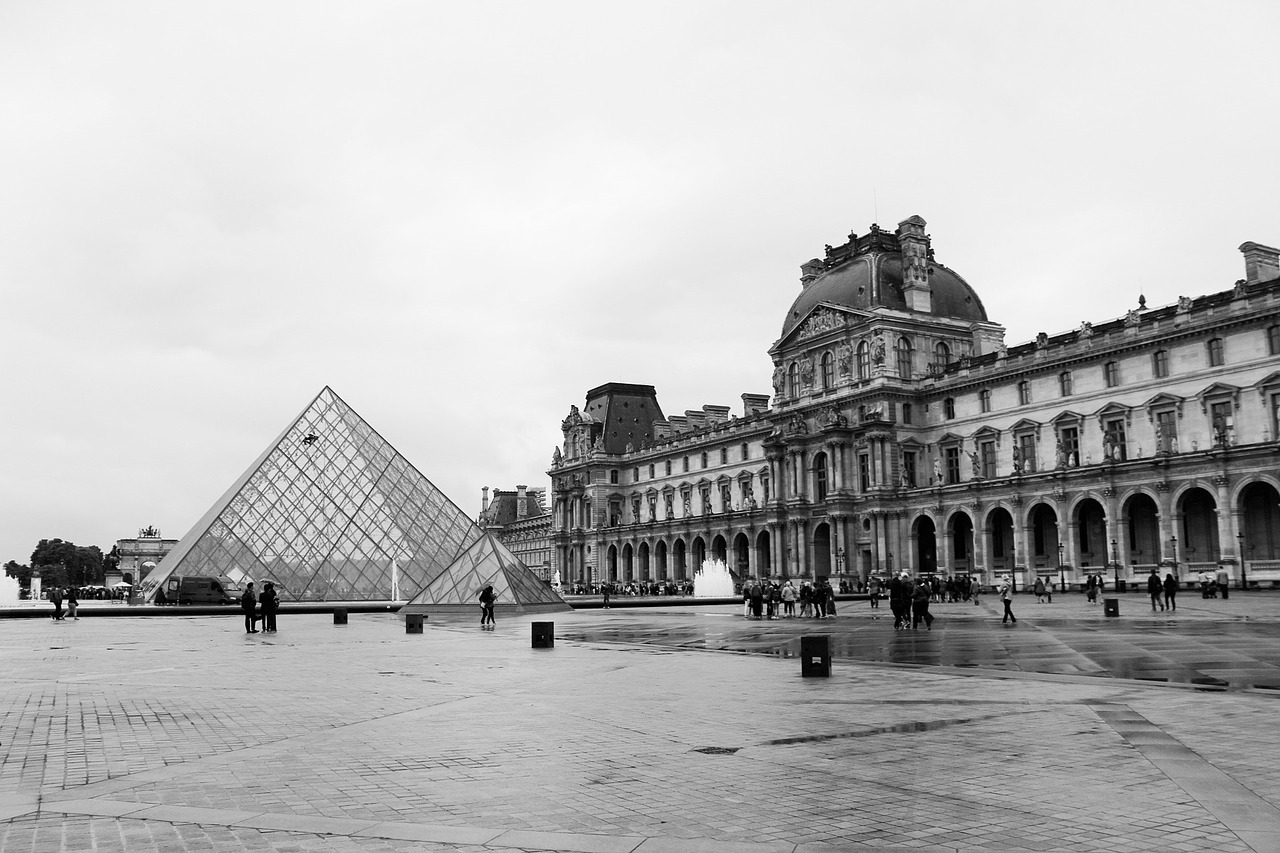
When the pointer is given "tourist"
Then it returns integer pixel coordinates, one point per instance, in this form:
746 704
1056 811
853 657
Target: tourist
1039 590
487 599
818 598
900 600
268 602
249 604
920 605
746 599
604 592
757 601
1155 589
1170 591
806 599
73 603
789 600
829 595
55 595
873 593
975 590
1006 598
1224 583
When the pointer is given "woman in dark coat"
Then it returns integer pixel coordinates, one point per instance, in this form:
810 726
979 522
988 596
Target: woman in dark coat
249 604
268 601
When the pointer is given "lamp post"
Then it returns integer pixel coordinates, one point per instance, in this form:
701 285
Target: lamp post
1173 543
1062 578
1013 569
1244 577
1115 562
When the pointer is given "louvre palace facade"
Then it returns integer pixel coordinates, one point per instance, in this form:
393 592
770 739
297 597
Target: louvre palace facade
903 433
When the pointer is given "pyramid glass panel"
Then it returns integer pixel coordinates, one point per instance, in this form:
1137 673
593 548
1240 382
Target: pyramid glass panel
330 511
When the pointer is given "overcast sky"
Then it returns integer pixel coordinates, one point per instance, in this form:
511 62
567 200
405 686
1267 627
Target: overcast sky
463 216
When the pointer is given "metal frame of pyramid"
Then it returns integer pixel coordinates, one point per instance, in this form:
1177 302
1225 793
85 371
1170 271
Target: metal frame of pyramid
486 561
330 511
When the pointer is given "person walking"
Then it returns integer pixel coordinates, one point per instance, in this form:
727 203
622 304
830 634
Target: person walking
873 593
975 590
830 598
1006 598
605 591
268 603
1039 590
249 604
1171 591
487 599
55 595
73 603
1155 589
746 599
900 600
920 605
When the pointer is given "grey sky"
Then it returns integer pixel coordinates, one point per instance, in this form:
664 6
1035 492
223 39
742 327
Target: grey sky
462 216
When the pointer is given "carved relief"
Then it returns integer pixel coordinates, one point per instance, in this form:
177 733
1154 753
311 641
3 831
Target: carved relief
821 320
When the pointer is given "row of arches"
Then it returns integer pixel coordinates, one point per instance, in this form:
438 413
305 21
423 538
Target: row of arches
1192 538
677 560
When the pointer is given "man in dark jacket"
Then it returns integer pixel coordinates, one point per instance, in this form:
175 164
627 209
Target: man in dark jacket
249 604
900 600
1155 589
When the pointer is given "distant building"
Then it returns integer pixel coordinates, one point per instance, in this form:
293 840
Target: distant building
139 556
521 522
904 434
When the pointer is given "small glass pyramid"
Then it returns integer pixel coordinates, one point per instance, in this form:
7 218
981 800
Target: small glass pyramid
329 512
487 561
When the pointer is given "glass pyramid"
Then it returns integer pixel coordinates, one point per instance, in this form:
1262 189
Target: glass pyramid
487 561
330 511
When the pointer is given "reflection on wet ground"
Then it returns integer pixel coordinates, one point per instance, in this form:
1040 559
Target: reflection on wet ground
1212 655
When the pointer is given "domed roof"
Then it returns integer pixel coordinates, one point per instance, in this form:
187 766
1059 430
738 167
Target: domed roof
866 273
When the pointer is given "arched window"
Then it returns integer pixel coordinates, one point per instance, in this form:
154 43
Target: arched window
904 358
941 354
828 371
864 360
793 380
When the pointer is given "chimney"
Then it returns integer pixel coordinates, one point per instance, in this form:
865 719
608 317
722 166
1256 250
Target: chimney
716 414
809 271
754 404
484 501
522 511
915 246
679 423
697 419
1261 263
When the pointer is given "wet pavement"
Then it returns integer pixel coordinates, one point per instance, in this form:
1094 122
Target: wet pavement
1233 644
646 731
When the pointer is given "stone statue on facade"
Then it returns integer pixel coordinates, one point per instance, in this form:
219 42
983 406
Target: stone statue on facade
973 461
1017 459
844 359
779 381
806 371
1184 304
1060 455
878 349
937 472
556 458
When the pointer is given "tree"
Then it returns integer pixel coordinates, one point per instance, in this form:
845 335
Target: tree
65 563
14 569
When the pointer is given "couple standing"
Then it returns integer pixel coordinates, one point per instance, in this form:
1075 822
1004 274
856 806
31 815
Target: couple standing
269 601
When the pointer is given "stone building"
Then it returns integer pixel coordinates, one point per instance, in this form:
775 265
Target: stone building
520 521
904 434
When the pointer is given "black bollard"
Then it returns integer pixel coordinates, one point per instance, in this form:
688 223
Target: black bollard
340 616
544 635
1110 607
815 656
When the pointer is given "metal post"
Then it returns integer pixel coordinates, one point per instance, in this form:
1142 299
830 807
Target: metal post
1244 577
1115 562
1062 578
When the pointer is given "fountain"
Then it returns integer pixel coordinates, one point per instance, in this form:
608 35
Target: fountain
713 580
8 589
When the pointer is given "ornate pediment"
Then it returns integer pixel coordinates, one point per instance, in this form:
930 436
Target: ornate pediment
1068 417
1114 410
821 319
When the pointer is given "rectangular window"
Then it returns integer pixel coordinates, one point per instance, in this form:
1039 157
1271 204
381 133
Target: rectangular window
1113 443
1216 357
864 472
1166 432
613 476
635 475
1111 373
984 400
726 498
686 463
1222 419
746 452
1064 383
949 408
668 467
909 477
987 458
704 459
1024 392
906 413
1160 364
1027 450
953 465
1070 438
1273 340
724 456
651 474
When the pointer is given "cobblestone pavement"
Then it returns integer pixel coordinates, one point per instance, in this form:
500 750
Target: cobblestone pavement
637 734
